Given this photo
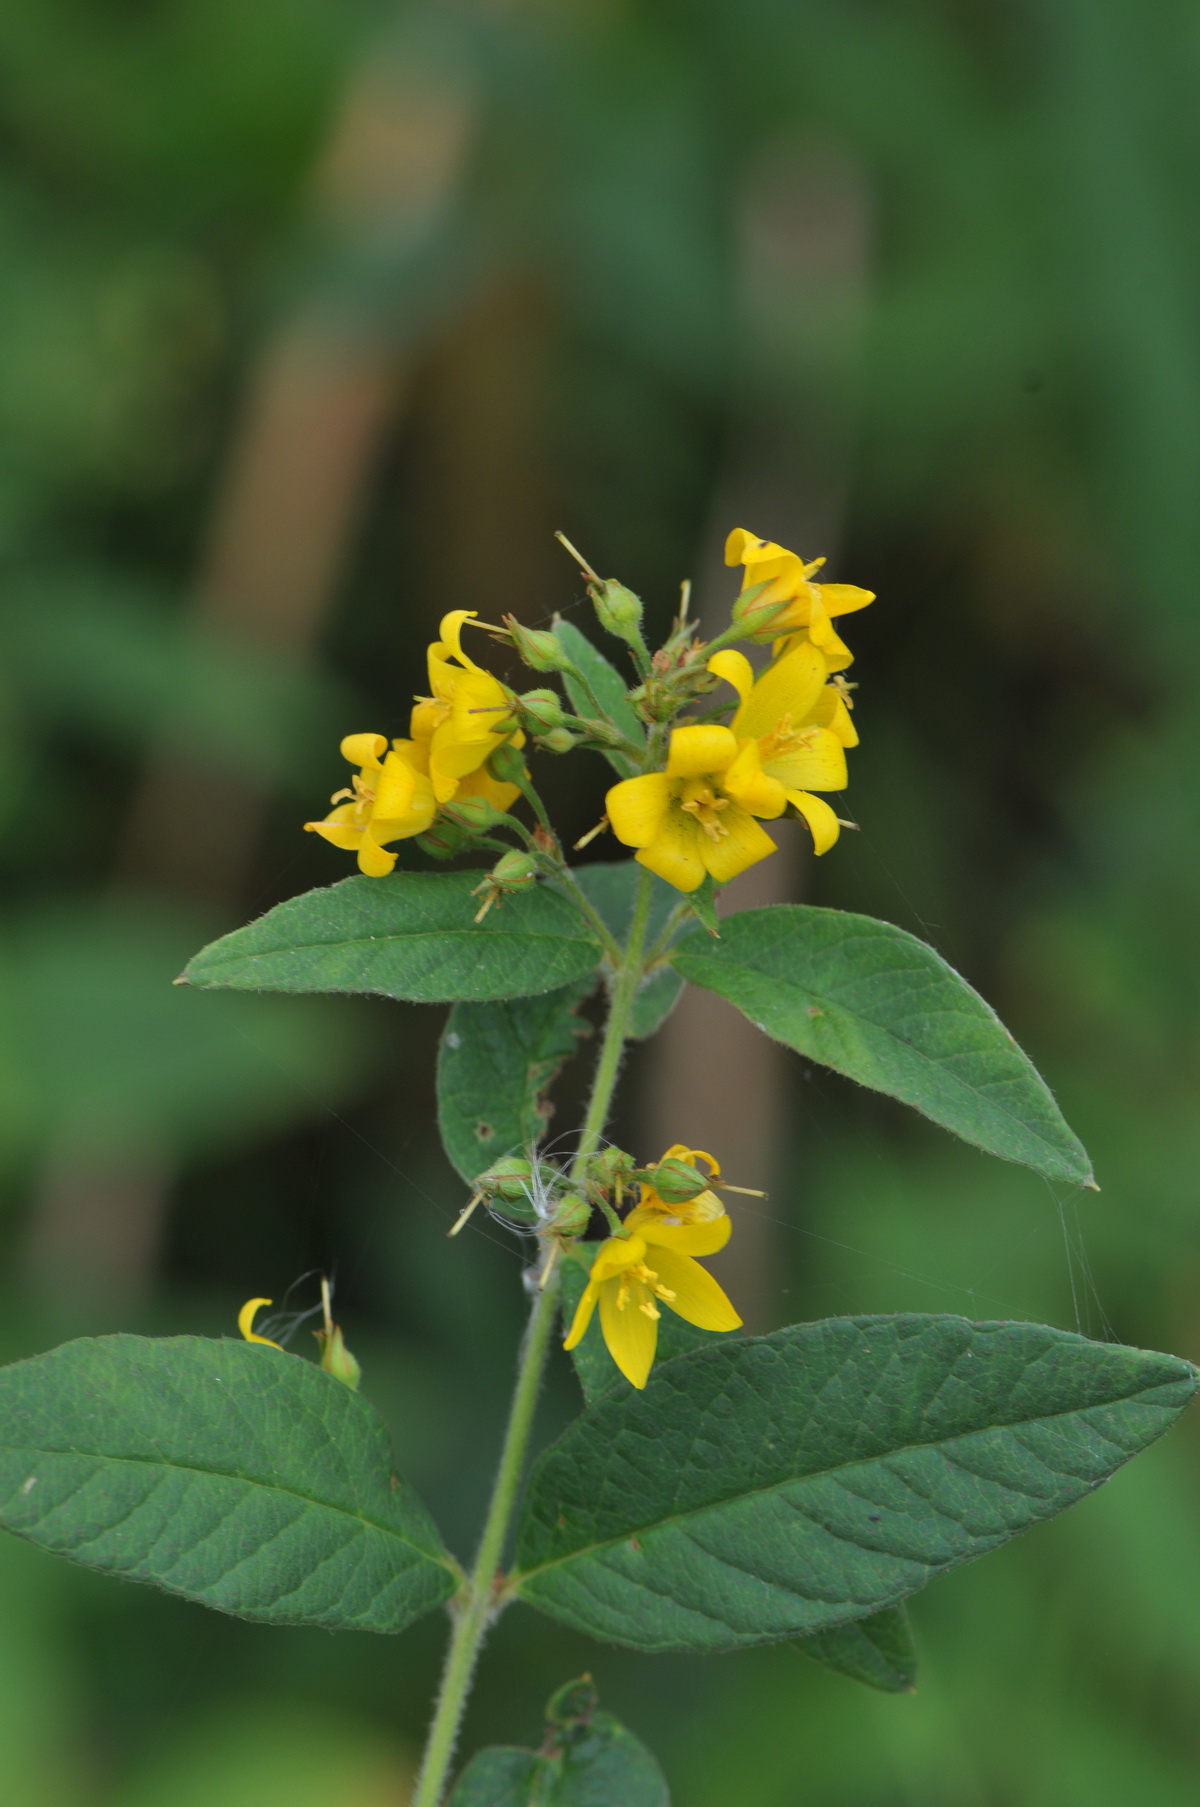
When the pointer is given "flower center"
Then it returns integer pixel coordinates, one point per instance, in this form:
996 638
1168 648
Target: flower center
362 797
783 738
643 1283
702 803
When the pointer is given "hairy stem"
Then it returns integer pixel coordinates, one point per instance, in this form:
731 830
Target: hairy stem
477 1605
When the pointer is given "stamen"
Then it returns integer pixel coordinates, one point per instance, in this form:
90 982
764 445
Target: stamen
665 1293
464 1215
591 834
650 1309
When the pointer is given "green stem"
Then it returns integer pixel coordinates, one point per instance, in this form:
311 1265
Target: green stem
476 1610
477 1606
591 915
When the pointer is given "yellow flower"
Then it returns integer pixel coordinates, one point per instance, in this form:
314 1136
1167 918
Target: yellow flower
457 726
391 799
810 605
632 1274
787 739
246 1317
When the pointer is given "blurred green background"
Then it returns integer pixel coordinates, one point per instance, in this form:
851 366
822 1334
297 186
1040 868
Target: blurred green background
316 320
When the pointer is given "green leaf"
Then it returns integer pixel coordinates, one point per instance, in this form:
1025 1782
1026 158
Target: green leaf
409 936
611 692
598 1373
587 1759
609 886
876 1004
779 1485
230 1473
878 1650
495 1063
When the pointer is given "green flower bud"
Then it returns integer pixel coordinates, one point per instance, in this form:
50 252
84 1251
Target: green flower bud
506 765
558 740
572 1216
514 871
757 616
336 1359
540 650
677 1182
540 710
474 814
617 609
444 839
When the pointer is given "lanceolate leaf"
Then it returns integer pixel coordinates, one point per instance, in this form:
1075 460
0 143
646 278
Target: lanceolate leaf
232 1474
878 1650
495 1064
779 1485
876 1004
587 1759
610 690
598 1373
410 936
610 886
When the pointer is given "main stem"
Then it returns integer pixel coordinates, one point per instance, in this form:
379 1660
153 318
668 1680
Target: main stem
476 1608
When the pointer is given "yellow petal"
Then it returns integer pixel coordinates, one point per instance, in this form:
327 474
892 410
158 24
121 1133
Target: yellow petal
429 712
583 1315
751 787
414 752
677 851
843 599
820 818
831 712
704 1238
339 827
698 1298
789 687
480 783
818 763
364 749
743 844
735 668
737 543
631 1335
679 1151
373 859
637 807
615 1255
246 1318
701 748
450 635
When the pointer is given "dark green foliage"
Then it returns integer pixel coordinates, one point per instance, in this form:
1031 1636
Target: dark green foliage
411 936
495 1063
230 1473
609 688
587 1759
787 1483
878 1650
878 1005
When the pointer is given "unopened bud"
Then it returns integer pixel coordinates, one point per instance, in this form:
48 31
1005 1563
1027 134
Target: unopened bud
572 1216
558 740
677 1182
473 814
541 710
758 614
539 650
513 871
617 608
336 1359
444 839
506 765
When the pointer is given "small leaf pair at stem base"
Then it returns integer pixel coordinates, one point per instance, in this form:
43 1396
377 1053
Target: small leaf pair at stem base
771 1487
587 1759
240 1477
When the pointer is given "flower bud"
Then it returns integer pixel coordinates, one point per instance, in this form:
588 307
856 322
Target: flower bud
336 1359
473 814
506 765
617 609
572 1216
541 710
444 839
677 1182
514 871
558 740
540 650
758 614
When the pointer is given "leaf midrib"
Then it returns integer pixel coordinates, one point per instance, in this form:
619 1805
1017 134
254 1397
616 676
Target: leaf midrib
937 1066
520 1575
498 934
443 1560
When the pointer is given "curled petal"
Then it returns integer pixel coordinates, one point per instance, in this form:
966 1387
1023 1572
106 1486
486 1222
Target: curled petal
364 749
735 668
749 785
698 1298
631 1334
339 827
699 749
743 844
449 643
246 1317
637 808
373 859
820 818
831 712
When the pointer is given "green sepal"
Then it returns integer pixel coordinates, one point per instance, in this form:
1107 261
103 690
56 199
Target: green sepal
587 1759
495 1064
611 692
776 1486
411 936
878 1650
874 1003
233 1474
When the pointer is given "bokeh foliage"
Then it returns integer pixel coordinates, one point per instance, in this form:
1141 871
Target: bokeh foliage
636 301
